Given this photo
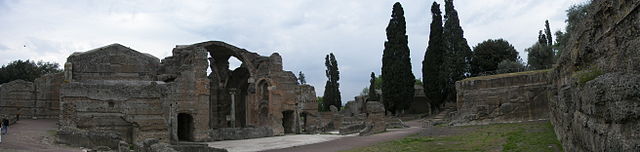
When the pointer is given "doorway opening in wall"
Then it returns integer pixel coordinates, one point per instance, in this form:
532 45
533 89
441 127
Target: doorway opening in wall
185 127
304 121
287 121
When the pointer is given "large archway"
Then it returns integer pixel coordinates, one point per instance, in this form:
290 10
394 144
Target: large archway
229 86
185 127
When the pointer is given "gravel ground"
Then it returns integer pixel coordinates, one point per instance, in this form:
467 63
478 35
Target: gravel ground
33 136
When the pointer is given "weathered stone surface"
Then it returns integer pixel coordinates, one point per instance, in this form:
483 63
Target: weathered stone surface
17 99
47 91
375 119
132 96
309 116
502 98
132 111
240 133
83 138
420 103
113 62
595 99
196 147
352 124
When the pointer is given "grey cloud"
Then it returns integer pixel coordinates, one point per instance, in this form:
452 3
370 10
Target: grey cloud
303 32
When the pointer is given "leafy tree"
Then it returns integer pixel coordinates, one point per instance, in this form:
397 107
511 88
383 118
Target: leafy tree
458 53
26 70
487 55
321 106
575 14
373 96
301 78
542 38
397 87
541 54
331 89
418 82
432 67
509 66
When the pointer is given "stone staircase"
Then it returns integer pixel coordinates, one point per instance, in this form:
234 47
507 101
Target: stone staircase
441 118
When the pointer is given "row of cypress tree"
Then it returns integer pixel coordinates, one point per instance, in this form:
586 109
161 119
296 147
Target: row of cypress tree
447 58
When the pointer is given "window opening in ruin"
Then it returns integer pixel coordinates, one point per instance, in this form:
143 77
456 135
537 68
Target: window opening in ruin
287 121
185 127
234 63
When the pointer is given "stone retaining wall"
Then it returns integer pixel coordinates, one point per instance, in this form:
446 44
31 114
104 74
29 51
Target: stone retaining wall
513 97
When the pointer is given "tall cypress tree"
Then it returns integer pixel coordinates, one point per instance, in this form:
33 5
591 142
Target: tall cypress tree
373 96
433 59
398 79
547 31
458 53
331 89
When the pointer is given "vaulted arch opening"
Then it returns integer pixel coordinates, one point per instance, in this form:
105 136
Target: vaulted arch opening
229 87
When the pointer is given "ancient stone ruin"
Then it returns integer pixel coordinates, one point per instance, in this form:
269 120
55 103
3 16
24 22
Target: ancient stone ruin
592 94
514 97
26 100
114 96
595 99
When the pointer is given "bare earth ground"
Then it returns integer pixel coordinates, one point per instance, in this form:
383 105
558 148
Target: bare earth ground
351 142
33 136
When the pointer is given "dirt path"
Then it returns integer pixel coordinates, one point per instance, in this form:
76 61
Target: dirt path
33 136
347 143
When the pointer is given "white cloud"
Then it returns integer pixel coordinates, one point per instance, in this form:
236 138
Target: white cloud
302 31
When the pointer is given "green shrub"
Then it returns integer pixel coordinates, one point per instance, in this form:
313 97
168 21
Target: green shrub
585 76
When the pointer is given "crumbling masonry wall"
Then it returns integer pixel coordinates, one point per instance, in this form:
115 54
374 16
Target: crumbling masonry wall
47 92
17 99
188 94
595 98
114 94
111 94
264 95
513 97
27 100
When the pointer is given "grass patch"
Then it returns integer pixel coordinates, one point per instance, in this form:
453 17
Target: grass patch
505 75
585 76
521 137
52 132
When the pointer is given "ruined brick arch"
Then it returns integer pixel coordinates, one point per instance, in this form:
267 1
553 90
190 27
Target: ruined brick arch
225 82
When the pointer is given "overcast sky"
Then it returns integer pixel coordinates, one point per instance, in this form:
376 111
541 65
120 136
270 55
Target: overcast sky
302 31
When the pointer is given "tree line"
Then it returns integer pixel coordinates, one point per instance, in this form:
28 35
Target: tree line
448 58
27 70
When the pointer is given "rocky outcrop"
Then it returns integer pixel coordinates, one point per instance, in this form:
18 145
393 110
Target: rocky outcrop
504 98
595 99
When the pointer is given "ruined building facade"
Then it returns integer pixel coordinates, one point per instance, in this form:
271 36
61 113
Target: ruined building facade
113 94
